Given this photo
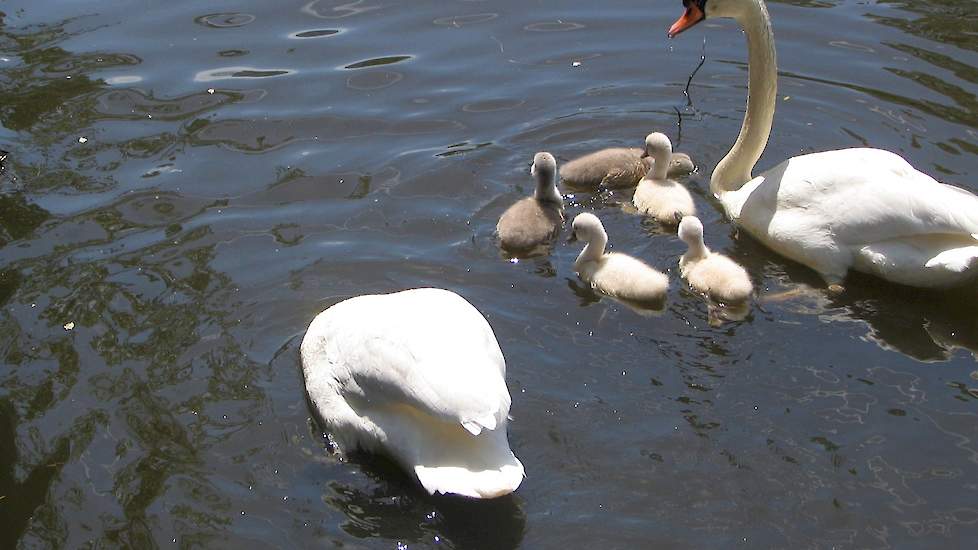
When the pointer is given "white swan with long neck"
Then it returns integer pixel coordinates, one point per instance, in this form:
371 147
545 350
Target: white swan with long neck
863 209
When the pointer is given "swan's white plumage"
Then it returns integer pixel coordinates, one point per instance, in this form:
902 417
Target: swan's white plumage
709 272
863 209
615 274
866 209
657 195
418 375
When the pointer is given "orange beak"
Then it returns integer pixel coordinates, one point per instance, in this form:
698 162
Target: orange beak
692 16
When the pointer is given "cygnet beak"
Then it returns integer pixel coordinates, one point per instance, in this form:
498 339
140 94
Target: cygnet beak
573 237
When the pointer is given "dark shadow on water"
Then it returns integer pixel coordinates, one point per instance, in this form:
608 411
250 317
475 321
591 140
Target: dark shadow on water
18 217
398 509
20 498
925 324
588 296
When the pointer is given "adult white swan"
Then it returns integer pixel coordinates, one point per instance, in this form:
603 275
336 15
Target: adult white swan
865 209
419 376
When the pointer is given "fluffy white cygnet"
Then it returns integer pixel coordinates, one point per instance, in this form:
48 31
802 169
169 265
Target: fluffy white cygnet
533 221
615 274
417 375
708 272
619 167
657 195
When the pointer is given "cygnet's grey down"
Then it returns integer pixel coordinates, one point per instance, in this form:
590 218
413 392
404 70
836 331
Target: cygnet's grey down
657 195
620 167
613 273
709 272
534 221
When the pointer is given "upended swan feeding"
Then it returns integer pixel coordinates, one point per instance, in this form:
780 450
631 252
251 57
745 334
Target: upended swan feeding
863 209
416 375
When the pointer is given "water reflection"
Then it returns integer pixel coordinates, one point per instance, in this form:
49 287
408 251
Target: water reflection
946 22
315 33
23 492
224 20
396 509
927 325
224 73
18 218
181 261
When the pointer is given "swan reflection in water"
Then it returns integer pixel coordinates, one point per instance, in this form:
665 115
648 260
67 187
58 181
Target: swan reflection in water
393 506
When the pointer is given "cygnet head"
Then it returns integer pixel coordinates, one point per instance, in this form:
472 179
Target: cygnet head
657 142
658 146
544 169
691 231
586 226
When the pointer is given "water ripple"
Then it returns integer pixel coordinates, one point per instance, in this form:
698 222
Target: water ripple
225 73
224 20
315 33
378 61
463 20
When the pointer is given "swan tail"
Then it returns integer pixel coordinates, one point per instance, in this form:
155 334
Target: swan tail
957 260
476 425
470 481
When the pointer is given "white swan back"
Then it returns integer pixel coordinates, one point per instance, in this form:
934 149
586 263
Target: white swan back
419 375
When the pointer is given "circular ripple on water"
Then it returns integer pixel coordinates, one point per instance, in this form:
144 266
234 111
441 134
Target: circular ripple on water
491 105
374 80
462 20
554 26
224 20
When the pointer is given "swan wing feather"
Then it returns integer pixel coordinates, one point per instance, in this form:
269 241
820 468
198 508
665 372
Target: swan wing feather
870 195
430 353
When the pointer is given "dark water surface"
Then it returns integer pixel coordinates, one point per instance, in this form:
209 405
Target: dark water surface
189 183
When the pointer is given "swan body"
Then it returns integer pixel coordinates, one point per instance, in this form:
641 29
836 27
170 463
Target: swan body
863 209
709 272
615 274
417 375
657 195
619 167
534 221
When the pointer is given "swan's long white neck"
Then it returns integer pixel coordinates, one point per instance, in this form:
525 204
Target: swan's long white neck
594 248
734 170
